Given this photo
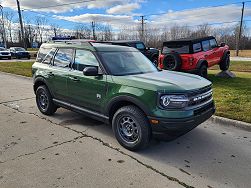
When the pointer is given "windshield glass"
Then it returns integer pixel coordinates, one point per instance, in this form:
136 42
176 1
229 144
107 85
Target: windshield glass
175 47
19 49
127 63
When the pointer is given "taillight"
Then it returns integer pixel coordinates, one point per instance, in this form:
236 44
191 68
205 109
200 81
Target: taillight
160 61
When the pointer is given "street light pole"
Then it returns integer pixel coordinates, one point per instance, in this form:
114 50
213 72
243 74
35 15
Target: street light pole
4 34
21 23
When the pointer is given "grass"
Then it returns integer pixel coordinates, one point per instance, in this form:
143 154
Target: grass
232 96
242 53
239 66
20 68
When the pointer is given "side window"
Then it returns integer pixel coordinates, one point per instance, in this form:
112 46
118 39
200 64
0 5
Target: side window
63 57
41 54
49 56
84 58
213 43
206 45
196 47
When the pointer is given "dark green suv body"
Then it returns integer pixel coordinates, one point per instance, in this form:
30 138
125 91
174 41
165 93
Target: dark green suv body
119 85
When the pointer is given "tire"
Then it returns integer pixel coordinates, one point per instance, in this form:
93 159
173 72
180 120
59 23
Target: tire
44 101
225 63
131 128
172 61
9 58
203 71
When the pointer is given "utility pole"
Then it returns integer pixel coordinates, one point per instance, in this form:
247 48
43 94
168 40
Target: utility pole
142 28
21 23
93 30
240 31
4 34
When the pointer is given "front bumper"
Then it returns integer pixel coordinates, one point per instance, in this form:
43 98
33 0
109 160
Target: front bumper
182 125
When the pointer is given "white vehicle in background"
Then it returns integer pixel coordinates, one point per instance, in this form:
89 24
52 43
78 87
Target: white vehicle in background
4 53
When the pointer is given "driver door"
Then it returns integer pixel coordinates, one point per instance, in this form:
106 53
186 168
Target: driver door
86 91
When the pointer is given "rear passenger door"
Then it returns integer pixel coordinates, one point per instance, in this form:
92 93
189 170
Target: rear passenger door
86 91
59 72
215 50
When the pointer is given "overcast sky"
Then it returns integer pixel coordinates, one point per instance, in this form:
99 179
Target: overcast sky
120 13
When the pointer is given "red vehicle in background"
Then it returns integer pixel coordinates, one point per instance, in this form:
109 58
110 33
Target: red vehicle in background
194 55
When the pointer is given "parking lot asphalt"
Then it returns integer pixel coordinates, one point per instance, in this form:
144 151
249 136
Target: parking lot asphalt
71 150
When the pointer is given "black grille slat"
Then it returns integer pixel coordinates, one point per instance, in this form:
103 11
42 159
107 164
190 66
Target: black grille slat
200 96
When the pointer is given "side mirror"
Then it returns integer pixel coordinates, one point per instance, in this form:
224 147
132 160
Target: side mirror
222 44
90 71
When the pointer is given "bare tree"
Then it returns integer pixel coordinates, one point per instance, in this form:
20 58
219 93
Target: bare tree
9 16
40 23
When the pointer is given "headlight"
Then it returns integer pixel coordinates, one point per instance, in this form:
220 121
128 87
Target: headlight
173 101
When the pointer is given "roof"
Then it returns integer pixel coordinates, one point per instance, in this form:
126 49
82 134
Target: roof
89 45
191 40
121 41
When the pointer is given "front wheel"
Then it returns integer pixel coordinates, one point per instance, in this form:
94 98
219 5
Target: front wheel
225 63
44 101
203 71
131 128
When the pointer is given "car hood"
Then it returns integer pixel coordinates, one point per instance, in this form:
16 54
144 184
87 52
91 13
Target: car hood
5 51
164 81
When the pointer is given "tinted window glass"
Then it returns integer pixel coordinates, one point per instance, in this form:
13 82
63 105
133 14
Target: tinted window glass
63 58
196 47
49 56
140 46
41 54
213 43
84 58
206 45
175 47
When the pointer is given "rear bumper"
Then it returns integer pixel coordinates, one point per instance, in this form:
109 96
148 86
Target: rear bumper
167 126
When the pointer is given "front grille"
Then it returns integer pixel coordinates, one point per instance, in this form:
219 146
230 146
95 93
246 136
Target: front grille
203 109
200 96
5 53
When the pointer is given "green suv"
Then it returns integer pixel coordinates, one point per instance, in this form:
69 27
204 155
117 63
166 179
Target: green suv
120 86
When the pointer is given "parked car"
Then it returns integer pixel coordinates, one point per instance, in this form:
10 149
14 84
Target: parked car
194 55
150 53
4 54
119 85
19 53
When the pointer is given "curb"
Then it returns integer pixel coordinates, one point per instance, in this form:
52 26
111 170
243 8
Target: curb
16 75
229 122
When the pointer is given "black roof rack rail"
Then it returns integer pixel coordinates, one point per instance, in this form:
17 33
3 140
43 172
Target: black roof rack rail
74 41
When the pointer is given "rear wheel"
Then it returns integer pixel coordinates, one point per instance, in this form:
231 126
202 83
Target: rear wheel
203 71
44 101
172 62
155 60
225 63
131 128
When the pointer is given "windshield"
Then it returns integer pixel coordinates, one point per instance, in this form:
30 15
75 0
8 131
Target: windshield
175 47
19 49
127 63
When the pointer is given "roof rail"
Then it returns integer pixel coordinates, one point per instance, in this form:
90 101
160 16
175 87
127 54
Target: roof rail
75 41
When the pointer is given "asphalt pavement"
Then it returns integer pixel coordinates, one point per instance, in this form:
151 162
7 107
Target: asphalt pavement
71 150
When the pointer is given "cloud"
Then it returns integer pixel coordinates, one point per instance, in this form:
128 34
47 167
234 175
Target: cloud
121 9
113 20
37 5
198 16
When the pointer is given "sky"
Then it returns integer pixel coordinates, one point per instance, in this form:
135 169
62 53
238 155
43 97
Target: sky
126 13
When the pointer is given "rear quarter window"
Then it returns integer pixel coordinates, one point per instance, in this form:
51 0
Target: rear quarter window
43 51
206 45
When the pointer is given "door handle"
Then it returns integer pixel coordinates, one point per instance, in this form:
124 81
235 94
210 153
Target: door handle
74 79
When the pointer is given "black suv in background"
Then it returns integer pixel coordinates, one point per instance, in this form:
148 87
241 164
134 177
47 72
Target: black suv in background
151 53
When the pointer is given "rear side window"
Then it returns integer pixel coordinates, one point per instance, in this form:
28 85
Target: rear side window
206 45
63 58
84 58
43 51
176 47
213 43
196 47
49 56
